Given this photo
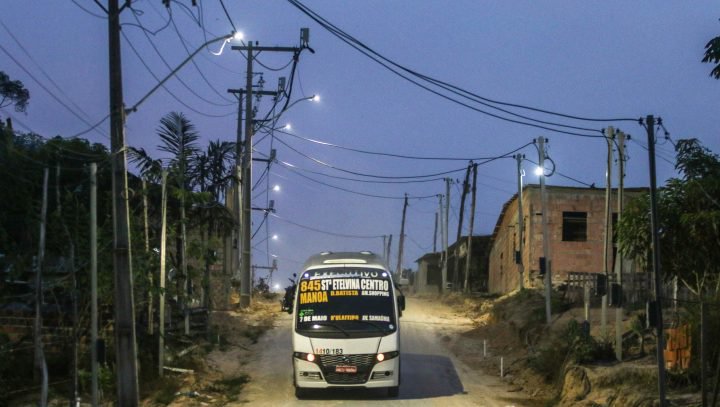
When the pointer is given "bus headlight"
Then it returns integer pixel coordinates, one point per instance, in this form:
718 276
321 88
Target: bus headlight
304 356
387 355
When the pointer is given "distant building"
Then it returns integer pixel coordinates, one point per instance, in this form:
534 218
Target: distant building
429 274
576 218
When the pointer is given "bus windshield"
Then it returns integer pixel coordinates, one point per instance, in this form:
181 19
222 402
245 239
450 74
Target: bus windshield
345 302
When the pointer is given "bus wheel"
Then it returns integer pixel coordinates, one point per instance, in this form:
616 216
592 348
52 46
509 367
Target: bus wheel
393 391
301 393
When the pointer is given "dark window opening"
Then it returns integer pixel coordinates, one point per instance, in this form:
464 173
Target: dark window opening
574 227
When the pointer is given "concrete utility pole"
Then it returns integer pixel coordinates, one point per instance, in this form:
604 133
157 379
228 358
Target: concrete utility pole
446 232
607 237
398 270
618 257
435 233
660 334
246 219
456 266
93 287
519 256
468 259
40 371
540 141
161 282
125 347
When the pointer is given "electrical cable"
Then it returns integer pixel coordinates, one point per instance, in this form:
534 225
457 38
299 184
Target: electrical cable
326 232
197 68
222 3
88 11
142 61
357 192
364 174
47 76
369 52
55 97
389 154
167 65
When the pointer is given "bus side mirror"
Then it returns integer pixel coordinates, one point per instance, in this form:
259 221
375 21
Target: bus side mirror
401 302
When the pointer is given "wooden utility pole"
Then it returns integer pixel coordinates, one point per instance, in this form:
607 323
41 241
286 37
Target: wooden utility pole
456 265
519 255
93 287
607 238
654 228
40 371
468 259
401 243
125 346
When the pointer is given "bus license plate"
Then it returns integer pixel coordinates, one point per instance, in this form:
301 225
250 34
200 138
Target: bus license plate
345 369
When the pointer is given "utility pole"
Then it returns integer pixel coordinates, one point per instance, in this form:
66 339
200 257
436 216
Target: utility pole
446 232
40 371
470 233
456 266
519 254
161 283
147 251
125 347
607 240
545 261
398 270
246 220
93 287
435 233
618 258
389 246
660 334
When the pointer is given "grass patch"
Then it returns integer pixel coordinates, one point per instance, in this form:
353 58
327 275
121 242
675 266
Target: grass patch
167 387
230 387
628 377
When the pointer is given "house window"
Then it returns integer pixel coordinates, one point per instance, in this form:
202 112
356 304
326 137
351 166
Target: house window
574 227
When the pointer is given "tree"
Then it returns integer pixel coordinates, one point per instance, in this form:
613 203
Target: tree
13 93
712 55
212 174
689 222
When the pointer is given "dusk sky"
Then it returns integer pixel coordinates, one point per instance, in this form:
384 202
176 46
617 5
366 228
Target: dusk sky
599 60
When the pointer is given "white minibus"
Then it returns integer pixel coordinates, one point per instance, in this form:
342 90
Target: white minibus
346 328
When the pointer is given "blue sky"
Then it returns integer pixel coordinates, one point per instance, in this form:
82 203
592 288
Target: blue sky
612 59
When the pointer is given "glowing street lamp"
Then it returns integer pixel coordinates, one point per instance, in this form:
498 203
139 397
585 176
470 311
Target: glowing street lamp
276 188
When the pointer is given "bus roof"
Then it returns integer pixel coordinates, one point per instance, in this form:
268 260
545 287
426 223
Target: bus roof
362 259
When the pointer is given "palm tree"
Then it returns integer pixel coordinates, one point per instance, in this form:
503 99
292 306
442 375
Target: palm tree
712 55
211 175
179 138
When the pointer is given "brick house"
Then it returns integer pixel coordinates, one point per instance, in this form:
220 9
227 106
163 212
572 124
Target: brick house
429 274
576 218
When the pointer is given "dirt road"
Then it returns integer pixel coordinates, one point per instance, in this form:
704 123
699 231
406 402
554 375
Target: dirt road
431 375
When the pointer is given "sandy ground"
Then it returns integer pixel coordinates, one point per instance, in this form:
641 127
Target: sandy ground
431 374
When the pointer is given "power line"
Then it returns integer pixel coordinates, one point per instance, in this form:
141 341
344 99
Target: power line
147 67
389 64
324 231
357 192
57 99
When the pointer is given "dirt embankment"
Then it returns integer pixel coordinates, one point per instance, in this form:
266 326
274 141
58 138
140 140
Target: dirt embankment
209 371
556 365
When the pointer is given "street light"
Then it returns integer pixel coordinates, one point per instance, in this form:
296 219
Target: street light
226 38
276 188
